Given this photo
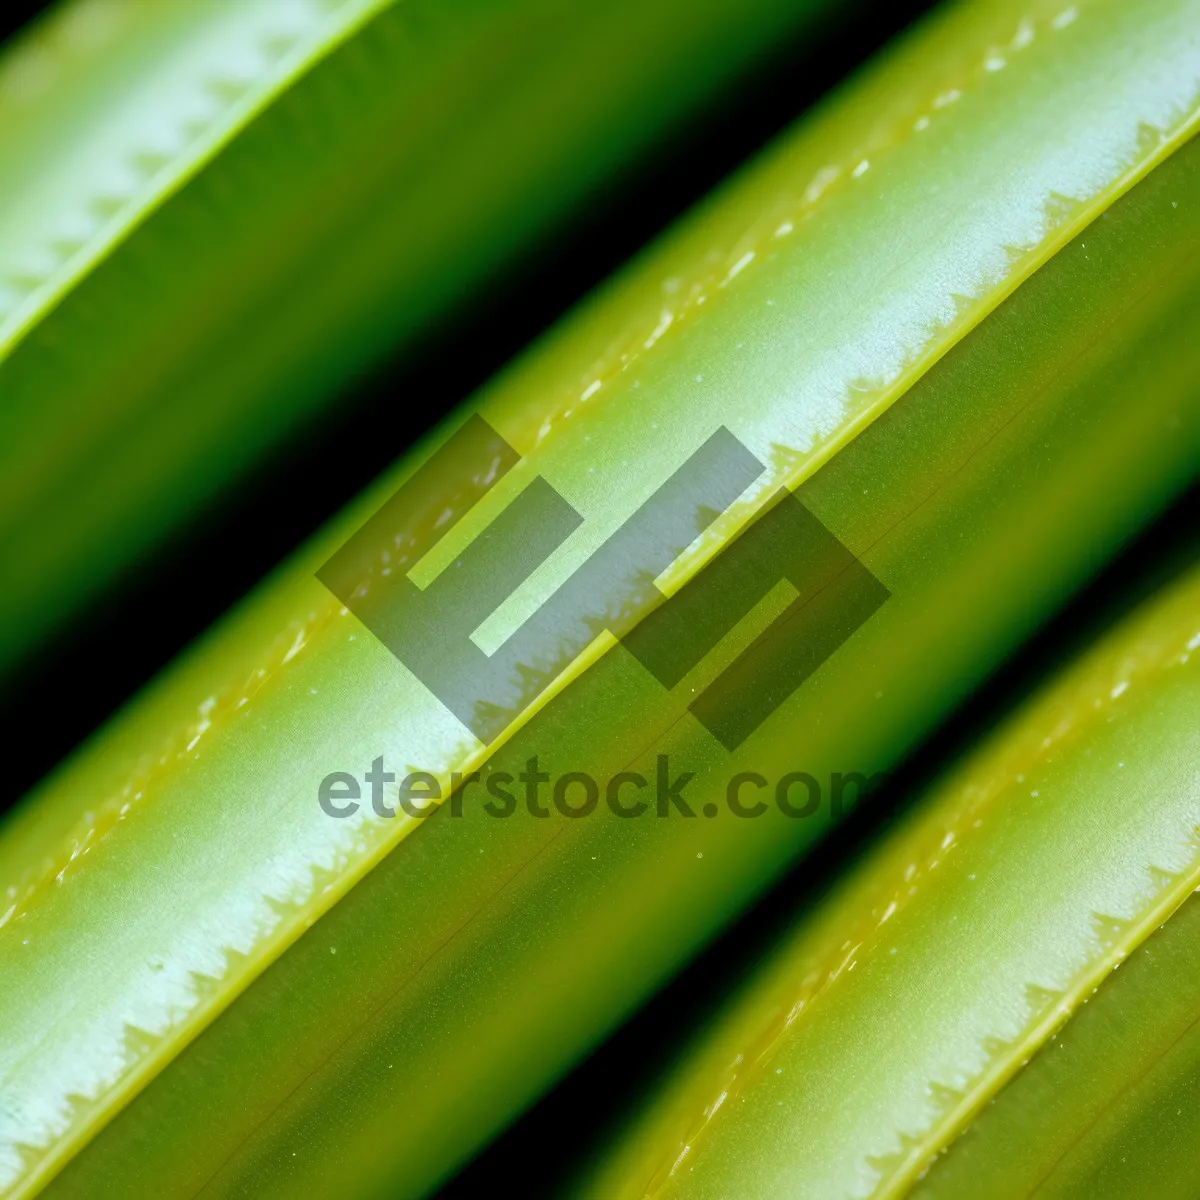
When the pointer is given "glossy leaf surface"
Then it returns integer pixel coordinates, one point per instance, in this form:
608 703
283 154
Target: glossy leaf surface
896 1011
217 216
1108 1106
157 877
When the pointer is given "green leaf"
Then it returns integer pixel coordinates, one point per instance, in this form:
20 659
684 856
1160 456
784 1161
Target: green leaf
219 215
890 1017
1107 1106
979 387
